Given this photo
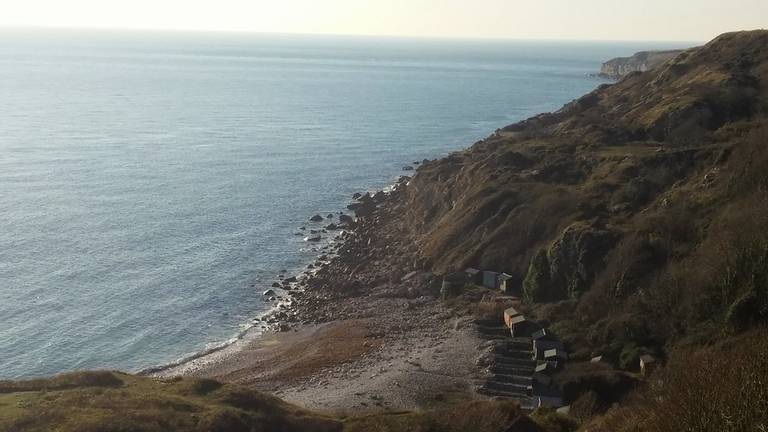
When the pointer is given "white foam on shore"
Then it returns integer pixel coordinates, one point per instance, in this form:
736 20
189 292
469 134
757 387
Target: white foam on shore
256 328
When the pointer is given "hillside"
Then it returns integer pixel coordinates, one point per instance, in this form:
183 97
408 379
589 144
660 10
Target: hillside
116 402
603 200
632 221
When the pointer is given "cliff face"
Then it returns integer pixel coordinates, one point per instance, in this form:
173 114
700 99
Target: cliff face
640 62
618 200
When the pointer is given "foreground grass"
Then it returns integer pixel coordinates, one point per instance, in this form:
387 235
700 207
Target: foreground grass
107 401
116 402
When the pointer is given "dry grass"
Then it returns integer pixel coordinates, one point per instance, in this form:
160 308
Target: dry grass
116 402
718 389
469 417
107 401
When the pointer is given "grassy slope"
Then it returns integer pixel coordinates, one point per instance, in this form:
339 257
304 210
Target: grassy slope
633 219
109 401
106 401
622 204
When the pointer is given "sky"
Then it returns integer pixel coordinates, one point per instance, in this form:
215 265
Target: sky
647 20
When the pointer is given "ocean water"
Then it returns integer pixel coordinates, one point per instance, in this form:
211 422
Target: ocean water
151 184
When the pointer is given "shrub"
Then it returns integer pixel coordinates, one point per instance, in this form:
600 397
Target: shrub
717 389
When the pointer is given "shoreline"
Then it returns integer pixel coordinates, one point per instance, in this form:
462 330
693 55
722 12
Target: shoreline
264 323
350 338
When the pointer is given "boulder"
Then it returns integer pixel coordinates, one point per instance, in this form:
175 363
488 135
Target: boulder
346 219
268 293
407 168
329 216
313 239
363 208
316 218
357 196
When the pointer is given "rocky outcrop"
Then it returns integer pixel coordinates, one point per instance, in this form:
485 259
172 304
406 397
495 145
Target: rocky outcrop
567 268
641 62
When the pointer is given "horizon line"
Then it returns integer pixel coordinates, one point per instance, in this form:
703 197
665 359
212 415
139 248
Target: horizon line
337 35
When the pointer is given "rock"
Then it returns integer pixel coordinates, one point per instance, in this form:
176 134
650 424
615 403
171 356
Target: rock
291 279
357 196
313 239
569 265
274 285
346 219
640 62
379 197
269 292
363 208
316 218
329 216
332 227
407 168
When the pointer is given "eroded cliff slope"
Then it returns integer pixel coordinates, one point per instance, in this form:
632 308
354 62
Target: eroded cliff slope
618 202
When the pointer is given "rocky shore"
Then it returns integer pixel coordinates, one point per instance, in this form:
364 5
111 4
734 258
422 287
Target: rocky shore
362 328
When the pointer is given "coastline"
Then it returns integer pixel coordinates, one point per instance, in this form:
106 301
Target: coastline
362 328
265 322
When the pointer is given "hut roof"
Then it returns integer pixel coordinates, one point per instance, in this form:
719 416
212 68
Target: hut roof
472 271
556 353
541 334
645 358
519 319
505 277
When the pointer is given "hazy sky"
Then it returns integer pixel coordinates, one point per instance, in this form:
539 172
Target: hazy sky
688 20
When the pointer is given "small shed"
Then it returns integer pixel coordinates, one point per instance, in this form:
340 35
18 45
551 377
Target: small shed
453 285
555 354
474 275
597 359
647 364
542 367
490 279
519 326
510 313
505 283
542 334
541 346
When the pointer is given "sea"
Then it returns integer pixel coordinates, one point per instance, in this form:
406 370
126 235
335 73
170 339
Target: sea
153 184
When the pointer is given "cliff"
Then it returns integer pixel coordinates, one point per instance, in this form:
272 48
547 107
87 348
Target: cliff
640 62
632 220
